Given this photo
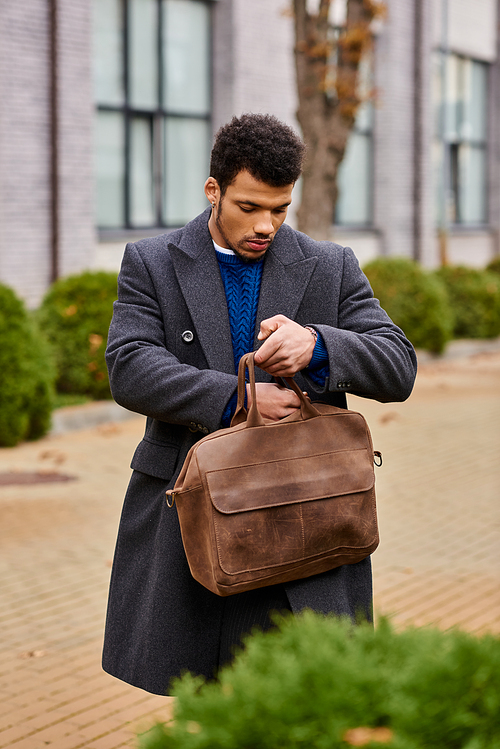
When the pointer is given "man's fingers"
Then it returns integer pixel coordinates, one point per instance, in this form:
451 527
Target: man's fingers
271 325
287 348
268 357
274 401
265 332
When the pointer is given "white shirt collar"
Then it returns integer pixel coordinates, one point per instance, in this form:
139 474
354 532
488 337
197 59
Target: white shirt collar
224 250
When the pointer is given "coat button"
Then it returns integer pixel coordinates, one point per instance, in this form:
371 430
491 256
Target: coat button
188 336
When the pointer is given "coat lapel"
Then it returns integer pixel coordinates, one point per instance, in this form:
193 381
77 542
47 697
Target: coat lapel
285 278
199 278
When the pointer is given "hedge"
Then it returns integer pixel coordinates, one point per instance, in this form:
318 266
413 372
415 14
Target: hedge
494 265
414 299
319 683
27 374
75 314
475 298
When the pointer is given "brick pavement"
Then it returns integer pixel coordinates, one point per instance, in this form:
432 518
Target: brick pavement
438 491
438 561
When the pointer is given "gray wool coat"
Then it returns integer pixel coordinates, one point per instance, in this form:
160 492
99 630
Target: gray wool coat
170 357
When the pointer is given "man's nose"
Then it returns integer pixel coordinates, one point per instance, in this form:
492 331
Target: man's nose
264 223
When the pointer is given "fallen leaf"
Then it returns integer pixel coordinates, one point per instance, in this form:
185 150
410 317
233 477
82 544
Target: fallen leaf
363 735
32 654
388 417
56 456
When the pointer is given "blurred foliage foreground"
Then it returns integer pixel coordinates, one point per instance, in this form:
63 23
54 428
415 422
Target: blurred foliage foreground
320 683
62 344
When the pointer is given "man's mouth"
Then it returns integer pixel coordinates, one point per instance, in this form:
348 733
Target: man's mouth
258 244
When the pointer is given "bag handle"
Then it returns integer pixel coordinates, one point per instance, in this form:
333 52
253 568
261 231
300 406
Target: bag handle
253 417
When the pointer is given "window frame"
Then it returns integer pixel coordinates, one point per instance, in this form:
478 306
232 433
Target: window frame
451 148
157 118
367 132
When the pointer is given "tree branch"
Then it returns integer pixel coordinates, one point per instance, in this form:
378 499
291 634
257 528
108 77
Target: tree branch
329 96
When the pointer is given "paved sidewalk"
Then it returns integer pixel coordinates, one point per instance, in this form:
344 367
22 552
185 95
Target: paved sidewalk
438 562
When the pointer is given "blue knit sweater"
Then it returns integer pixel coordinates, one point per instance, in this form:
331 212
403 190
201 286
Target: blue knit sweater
242 287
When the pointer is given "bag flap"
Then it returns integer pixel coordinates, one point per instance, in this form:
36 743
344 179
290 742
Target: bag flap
290 480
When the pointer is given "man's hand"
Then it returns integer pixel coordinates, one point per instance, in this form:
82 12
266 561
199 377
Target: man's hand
274 402
287 347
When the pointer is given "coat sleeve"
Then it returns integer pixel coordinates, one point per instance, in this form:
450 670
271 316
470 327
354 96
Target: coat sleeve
144 375
368 354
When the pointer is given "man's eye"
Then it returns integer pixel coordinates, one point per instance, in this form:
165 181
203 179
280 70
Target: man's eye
246 210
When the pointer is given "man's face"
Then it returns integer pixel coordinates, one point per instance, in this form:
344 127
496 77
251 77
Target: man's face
248 216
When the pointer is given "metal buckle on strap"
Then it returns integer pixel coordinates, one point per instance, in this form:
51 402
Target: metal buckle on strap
170 497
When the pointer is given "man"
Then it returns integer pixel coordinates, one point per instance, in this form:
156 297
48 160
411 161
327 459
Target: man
190 303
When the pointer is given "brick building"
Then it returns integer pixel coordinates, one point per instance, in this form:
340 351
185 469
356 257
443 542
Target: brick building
109 107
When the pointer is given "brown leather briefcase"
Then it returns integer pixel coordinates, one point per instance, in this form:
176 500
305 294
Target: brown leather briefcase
265 502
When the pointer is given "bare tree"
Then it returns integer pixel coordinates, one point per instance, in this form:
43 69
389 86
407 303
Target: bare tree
327 63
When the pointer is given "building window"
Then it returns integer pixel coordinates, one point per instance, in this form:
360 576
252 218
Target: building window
460 148
354 204
355 177
153 106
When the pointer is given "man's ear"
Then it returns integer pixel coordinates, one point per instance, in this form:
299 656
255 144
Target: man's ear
212 190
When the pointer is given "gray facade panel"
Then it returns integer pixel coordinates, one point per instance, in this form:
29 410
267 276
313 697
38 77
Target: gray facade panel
76 113
24 148
264 67
25 144
394 131
471 27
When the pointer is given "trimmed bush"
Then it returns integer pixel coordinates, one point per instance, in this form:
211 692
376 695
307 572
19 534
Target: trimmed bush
75 315
27 374
494 265
414 299
475 298
319 683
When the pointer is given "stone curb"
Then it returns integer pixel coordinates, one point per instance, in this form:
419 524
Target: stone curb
460 349
72 418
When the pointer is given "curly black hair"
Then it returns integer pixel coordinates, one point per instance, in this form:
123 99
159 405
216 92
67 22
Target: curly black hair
260 144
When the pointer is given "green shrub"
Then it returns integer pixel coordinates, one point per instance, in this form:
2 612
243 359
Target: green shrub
415 300
75 314
27 374
494 265
475 298
316 679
